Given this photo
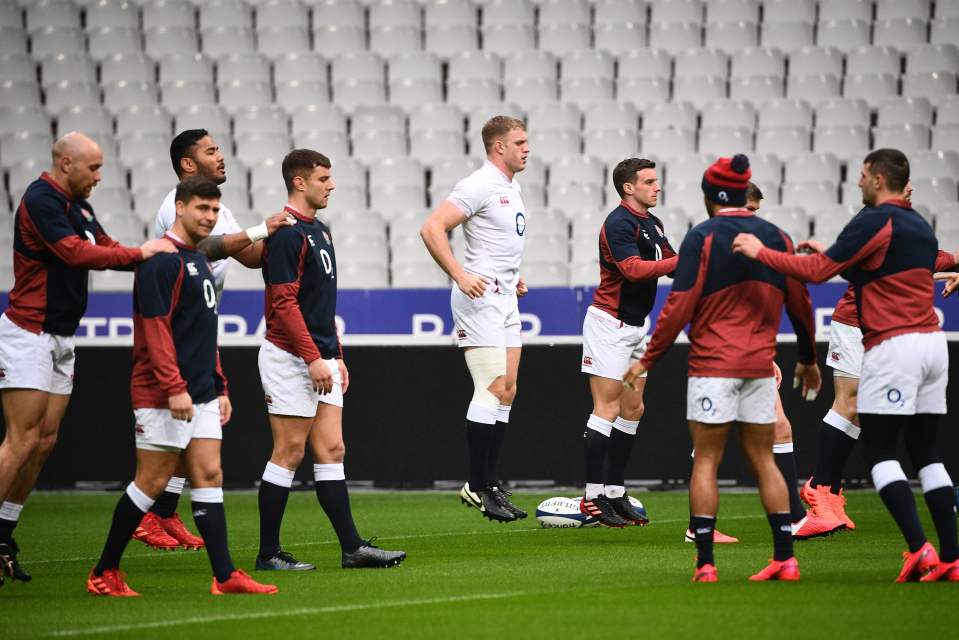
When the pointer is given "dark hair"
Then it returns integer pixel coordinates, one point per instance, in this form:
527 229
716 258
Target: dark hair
499 126
753 192
892 164
182 146
196 187
626 171
301 162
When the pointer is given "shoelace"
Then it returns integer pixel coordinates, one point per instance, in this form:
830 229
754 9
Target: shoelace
369 543
286 556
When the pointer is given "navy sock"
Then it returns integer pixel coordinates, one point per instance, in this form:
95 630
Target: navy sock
335 500
897 496
942 504
6 529
495 444
272 500
787 466
703 527
620 446
782 535
165 506
835 447
596 446
126 519
479 438
210 520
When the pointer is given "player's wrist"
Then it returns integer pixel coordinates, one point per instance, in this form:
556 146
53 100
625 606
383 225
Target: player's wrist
258 232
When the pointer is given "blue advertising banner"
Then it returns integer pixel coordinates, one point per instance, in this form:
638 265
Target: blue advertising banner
422 316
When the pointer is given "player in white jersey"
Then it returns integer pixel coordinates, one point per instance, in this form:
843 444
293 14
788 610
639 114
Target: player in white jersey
193 153
489 205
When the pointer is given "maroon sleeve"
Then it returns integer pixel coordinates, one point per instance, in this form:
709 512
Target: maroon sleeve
219 378
945 261
158 332
635 268
55 234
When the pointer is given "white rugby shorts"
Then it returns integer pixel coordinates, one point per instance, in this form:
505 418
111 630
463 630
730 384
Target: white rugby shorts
610 345
905 375
158 430
30 360
287 386
721 400
491 320
845 350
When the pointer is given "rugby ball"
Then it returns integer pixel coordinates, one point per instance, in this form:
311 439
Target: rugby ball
564 513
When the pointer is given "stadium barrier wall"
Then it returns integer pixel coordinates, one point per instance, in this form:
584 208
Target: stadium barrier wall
404 424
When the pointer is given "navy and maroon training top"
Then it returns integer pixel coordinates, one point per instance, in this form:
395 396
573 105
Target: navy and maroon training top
299 270
733 304
56 240
175 330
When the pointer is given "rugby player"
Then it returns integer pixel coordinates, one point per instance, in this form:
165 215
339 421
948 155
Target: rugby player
489 205
303 373
633 254
734 308
57 241
194 152
889 253
179 396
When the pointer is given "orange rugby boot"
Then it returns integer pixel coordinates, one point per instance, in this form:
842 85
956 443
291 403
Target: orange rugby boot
785 570
705 573
943 572
111 583
176 529
718 537
152 533
916 565
240 582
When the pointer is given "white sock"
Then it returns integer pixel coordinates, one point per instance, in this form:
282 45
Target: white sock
932 476
615 491
628 427
599 425
593 490
504 413
886 472
140 499
175 485
783 447
10 511
207 494
833 419
280 476
323 472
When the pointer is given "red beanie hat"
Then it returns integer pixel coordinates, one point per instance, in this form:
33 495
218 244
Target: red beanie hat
727 180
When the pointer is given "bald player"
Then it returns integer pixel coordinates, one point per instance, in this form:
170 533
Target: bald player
57 240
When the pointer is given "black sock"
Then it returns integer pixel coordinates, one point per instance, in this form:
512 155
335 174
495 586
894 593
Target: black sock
782 535
787 466
165 505
835 447
272 499
620 446
942 507
126 518
479 438
335 500
495 444
596 446
6 529
210 520
897 496
703 527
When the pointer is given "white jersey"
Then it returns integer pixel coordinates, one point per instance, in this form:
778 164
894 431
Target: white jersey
225 224
495 224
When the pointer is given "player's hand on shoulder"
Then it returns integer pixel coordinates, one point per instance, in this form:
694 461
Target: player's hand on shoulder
321 376
181 406
521 288
748 245
344 375
160 245
472 285
279 220
226 409
808 377
810 246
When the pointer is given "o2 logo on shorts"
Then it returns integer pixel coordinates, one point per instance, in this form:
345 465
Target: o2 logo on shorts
894 396
520 224
706 404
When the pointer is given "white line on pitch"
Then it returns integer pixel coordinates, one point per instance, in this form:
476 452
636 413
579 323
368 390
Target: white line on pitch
161 624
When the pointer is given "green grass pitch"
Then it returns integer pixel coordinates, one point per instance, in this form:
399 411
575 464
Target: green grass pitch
466 577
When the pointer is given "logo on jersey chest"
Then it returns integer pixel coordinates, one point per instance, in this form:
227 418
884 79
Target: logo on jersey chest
520 224
503 200
191 268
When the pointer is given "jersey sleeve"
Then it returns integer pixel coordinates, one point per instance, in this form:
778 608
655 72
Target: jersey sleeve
469 195
865 235
166 216
945 261
621 238
284 266
158 282
47 223
227 221
687 289
800 313
219 378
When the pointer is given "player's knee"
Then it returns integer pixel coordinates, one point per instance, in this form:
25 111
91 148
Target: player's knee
45 445
632 410
607 409
24 445
783 431
289 456
208 476
152 486
845 405
487 366
331 453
